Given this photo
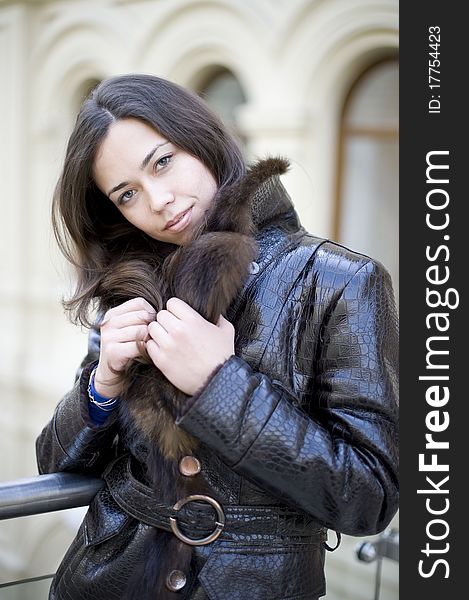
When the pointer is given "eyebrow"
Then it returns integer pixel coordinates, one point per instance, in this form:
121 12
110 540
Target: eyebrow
144 163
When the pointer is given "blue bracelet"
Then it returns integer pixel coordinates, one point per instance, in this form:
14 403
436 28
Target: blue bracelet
106 404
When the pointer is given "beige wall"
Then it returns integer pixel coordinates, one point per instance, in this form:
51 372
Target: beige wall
295 59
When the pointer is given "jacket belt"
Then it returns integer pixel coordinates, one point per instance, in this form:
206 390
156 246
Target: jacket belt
197 519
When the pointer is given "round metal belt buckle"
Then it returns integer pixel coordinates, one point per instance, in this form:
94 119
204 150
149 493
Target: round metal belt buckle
220 523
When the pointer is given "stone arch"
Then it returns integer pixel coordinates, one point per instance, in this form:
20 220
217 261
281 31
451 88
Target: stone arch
366 199
333 47
334 41
72 28
70 54
222 90
172 49
206 12
82 91
200 63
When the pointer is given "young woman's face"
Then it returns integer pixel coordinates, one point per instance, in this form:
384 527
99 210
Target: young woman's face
159 188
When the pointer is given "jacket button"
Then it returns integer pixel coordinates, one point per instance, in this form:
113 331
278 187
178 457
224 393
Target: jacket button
176 580
189 466
253 268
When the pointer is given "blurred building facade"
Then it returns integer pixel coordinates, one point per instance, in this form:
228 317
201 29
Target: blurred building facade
313 80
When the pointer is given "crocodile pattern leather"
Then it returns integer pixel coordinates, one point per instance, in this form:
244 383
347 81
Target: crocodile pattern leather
303 419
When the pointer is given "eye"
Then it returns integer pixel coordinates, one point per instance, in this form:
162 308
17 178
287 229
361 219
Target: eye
163 162
125 197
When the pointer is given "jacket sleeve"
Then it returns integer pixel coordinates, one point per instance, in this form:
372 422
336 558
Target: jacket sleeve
71 441
336 460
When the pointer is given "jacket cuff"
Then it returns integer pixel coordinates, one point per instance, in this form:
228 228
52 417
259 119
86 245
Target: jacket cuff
234 397
191 400
78 436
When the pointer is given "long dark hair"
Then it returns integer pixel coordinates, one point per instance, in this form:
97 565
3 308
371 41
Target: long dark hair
105 249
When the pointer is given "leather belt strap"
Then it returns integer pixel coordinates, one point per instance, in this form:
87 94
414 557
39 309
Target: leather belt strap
197 519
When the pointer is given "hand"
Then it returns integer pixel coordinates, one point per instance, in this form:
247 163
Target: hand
121 329
186 347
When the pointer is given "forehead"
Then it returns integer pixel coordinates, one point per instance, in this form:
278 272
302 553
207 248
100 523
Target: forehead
127 130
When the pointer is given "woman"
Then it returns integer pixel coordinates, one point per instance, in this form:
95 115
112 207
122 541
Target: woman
239 396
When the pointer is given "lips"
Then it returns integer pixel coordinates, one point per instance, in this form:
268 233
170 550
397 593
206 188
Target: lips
179 222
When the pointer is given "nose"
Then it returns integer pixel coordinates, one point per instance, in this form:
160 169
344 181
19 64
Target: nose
159 197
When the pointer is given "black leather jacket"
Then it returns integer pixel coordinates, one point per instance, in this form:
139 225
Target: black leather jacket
298 432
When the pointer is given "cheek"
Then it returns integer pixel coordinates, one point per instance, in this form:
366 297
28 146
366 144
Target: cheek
204 185
208 186
136 219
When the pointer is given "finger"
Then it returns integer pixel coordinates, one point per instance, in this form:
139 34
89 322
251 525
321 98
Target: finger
135 304
153 351
167 320
138 317
181 309
132 333
158 333
125 352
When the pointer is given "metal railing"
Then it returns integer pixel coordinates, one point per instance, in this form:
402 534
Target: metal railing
386 546
60 491
46 493
42 494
